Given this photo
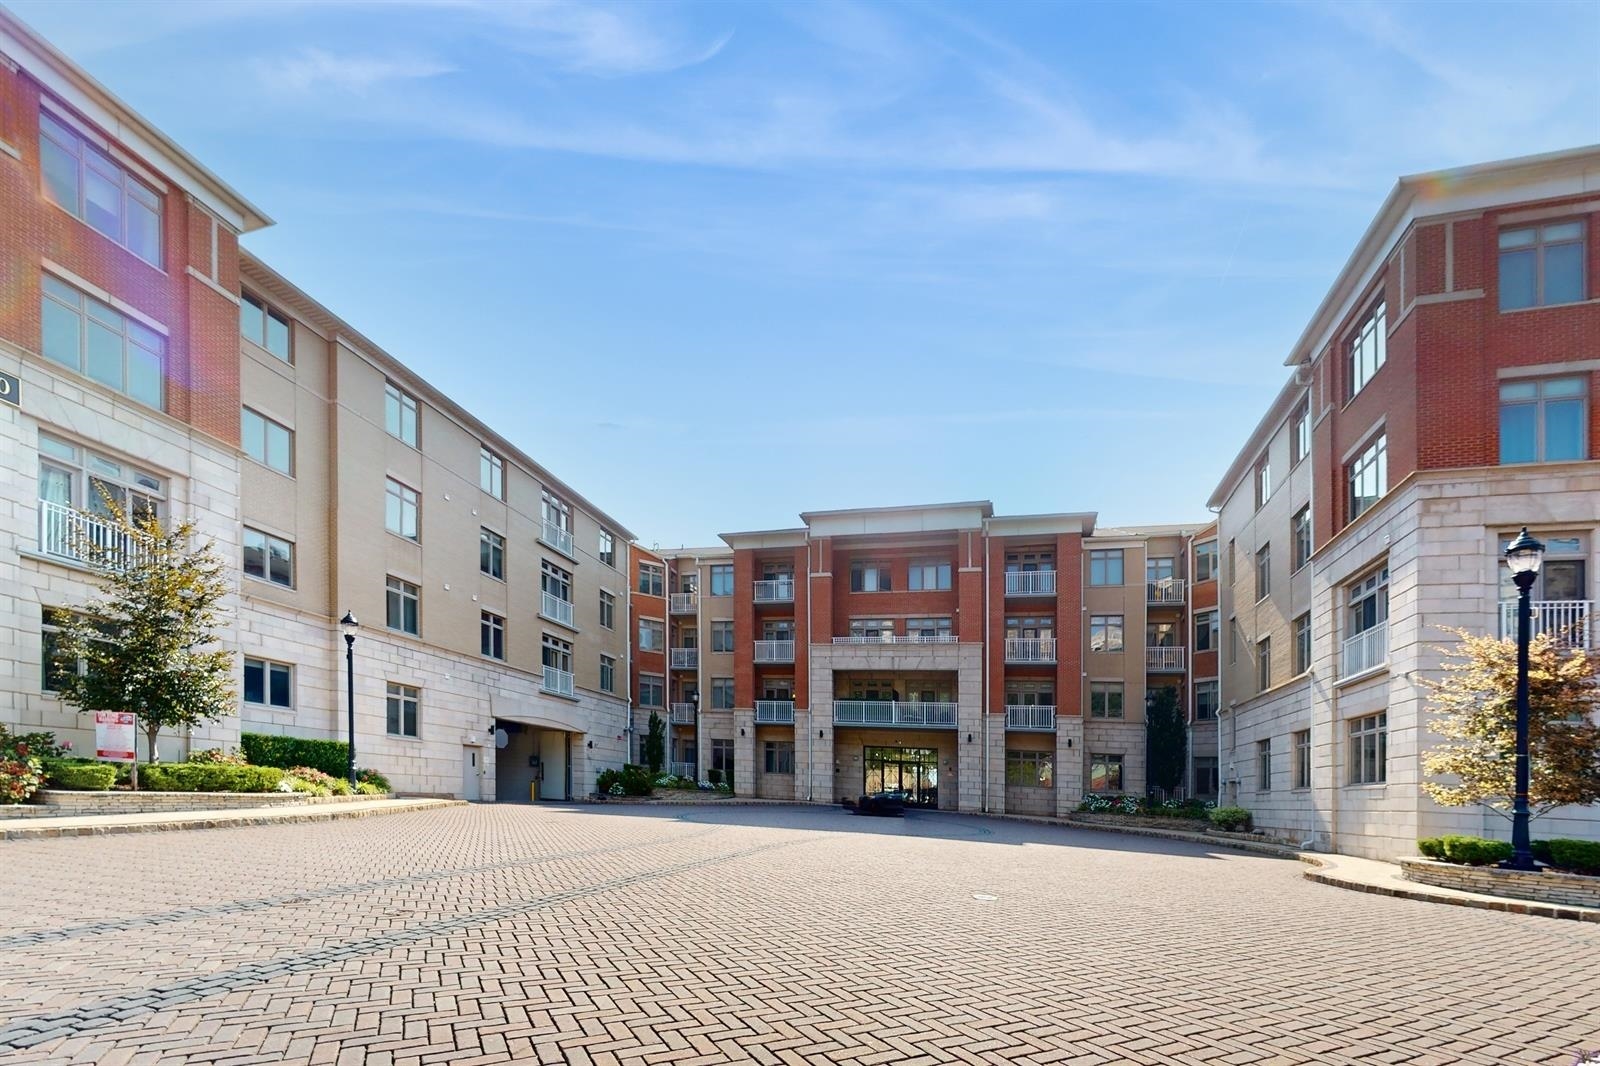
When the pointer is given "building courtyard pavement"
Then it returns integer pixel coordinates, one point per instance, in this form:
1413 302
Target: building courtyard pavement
612 935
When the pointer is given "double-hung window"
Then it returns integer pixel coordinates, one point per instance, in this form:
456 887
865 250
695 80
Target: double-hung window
1263 664
400 413
652 690
400 509
267 442
1205 561
778 757
721 580
268 558
98 341
403 703
403 600
1541 265
928 577
492 635
722 635
1206 699
1105 632
1369 749
1105 699
652 635
492 553
1369 602
1368 476
651 579
1302 759
1264 571
1542 421
88 184
1030 769
1300 535
608 610
264 327
268 684
722 693
608 673
1205 631
1302 643
608 548
1264 765
491 473
1367 349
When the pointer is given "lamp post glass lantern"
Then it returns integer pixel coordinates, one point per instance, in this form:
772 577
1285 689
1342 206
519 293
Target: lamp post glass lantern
1524 556
349 624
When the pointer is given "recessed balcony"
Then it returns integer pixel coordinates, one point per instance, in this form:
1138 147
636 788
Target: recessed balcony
684 658
774 651
1031 583
1037 718
1168 592
682 714
1030 649
684 602
774 712
775 590
1164 660
897 638
894 713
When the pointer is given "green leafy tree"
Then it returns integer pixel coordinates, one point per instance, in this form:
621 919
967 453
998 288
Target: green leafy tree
1474 708
654 749
148 642
1167 739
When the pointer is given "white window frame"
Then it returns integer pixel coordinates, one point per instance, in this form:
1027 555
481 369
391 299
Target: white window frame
1370 465
268 668
492 632
1367 349
89 159
397 590
402 415
400 502
265 337
1539 402
267 543
1369 749
398 700
141 346
491 472
256 433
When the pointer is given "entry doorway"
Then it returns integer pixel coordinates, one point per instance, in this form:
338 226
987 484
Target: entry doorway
472 773
913 773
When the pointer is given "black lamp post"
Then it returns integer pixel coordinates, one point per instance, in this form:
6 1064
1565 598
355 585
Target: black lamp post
1524 556
349 624
1149 708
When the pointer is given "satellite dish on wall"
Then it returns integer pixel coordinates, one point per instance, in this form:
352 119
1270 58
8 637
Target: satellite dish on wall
501 738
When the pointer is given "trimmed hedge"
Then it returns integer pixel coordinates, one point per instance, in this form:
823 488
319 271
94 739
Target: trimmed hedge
208 777
84 775
634 781
1465 850
1576 856
1231 819
332 757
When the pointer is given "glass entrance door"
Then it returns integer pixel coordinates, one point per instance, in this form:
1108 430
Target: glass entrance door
912 773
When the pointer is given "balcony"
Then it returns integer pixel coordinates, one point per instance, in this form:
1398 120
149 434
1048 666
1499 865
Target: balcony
894 713
897 638
558 538
557 682
774 712
684 658
683 714
1568 621
775 590
1364 651
684 602
1167 592
774 651
1030 650
71 534
1163 660
1031 583
557 610
1037 719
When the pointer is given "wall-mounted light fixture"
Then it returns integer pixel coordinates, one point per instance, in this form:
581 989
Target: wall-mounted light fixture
741 731
591 743
1069 742
969 738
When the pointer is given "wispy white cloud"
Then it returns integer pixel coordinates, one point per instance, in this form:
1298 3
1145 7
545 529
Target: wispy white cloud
315 70
591 39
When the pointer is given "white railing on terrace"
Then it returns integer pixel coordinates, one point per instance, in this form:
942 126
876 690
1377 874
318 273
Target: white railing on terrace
1569 621
893 712
557 681
557 609
1040 718
684 658
774 712
774 651
897 638
1167 590
1163 660
682 769
67 533
684 602
1365 650
1031 583
1030 649
558 538
775 590
683 714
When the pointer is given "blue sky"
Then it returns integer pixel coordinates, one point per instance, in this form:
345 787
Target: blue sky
716 264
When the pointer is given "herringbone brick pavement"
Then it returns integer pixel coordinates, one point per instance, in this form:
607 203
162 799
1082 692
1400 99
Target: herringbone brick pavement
612 936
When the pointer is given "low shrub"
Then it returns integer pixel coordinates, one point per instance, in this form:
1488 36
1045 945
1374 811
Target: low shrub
1576 856
39 745
369 776
1541 852
367 788
219 755
1231 819
209 777
1472 851
326 783
82 775
332 757
631 780
1430 848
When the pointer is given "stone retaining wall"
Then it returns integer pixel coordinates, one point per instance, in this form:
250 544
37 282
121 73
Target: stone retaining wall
61 803
1187 825
1545 886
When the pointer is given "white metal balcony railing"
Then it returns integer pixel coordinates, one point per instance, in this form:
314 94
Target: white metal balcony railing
557 681
1040 718
894 712
557 609
683 714
774 651
1568 621
1365 650
684 602
775 590
558 538
682 769
684 658
1164 660
1167 590
1030 650
1031 583
897 638
774 712
65 532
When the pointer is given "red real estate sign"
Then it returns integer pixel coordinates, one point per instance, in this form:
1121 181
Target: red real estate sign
113 736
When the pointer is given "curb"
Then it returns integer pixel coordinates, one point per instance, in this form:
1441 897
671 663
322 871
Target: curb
216 820
1256 847
1324 872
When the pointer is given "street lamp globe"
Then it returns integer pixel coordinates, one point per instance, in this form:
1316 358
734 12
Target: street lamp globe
349 624
1525 554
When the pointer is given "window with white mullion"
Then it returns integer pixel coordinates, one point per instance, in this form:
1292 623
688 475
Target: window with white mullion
91 186
98 341
1368 349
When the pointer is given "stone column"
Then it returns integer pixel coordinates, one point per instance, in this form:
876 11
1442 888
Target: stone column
744 752
1069 763
969 722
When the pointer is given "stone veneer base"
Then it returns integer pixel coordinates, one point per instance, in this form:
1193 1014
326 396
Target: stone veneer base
1542 886
64 803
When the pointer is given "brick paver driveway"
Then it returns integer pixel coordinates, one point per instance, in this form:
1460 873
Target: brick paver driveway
640 935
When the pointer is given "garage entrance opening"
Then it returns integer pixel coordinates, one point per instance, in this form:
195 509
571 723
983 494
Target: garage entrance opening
535 764
912 772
